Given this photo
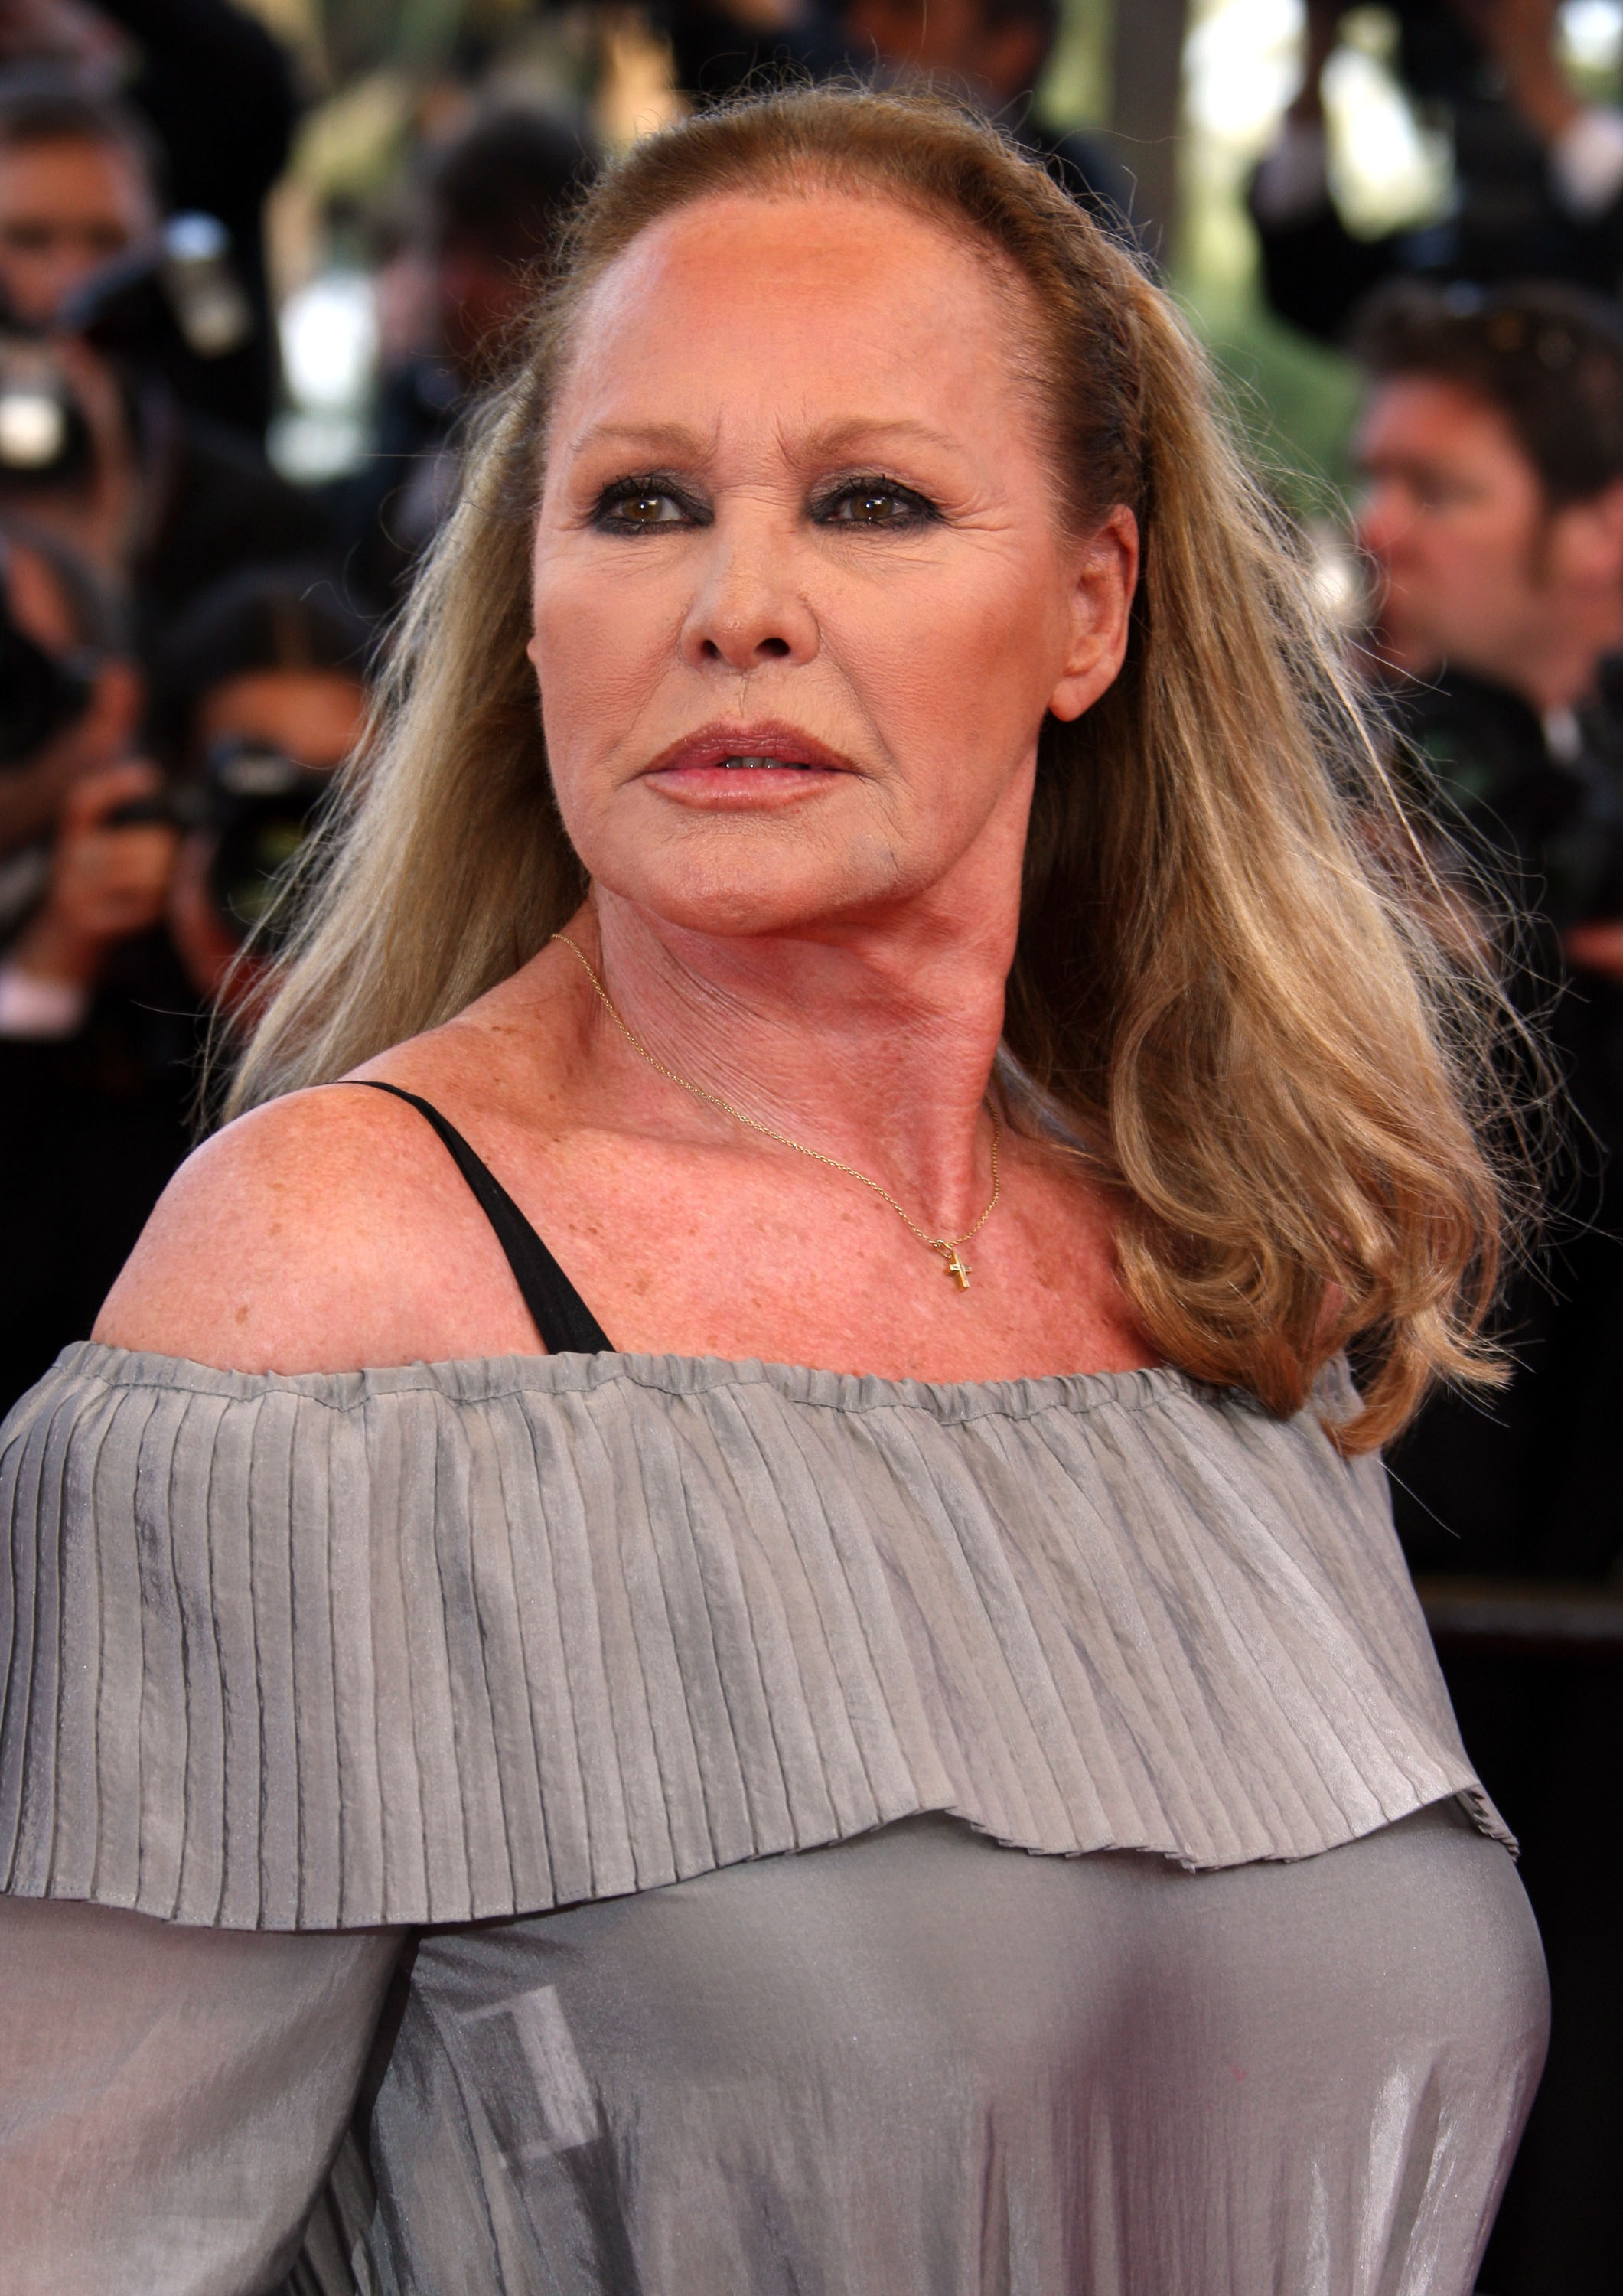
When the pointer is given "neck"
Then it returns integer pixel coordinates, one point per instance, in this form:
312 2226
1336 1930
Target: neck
874 1044
1560 669
1562 679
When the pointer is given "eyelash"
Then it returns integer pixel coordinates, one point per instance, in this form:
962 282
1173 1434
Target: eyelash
917 509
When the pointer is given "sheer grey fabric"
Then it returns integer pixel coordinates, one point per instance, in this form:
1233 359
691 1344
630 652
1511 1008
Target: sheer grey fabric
680 1707
170 2097
921 2065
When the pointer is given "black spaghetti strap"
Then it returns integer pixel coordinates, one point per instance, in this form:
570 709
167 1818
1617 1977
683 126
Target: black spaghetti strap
565 1323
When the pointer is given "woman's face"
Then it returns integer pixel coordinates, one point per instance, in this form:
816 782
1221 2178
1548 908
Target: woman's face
803 590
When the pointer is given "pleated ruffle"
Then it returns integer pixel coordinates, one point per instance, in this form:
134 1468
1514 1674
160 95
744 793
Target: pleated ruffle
450 1642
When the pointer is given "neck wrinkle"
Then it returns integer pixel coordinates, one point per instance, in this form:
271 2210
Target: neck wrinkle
887 1068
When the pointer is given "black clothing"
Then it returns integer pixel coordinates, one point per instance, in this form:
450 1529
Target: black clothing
1531 1482
716 54
222 508
91 1129
386 514
1095 180
1528 1483
563 1322
219 89
1315 273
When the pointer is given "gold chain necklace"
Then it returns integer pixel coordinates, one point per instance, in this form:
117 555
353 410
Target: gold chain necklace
947 1245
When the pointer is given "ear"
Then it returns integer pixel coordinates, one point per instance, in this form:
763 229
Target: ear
1106 577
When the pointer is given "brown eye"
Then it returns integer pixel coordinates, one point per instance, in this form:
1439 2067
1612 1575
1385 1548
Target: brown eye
644 509
870 503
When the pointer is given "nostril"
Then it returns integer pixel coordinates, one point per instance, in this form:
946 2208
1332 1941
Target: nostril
776 647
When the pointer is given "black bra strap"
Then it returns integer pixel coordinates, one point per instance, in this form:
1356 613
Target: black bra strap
567 1325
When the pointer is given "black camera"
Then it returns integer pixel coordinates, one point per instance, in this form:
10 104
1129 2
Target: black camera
258 805
41 695
1505 223
173 300
262 807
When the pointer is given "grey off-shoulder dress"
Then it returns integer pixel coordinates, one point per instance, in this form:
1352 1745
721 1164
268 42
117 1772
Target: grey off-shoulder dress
648 1826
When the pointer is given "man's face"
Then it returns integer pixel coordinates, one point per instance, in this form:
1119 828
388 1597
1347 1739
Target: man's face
951 39
66 207
1468 555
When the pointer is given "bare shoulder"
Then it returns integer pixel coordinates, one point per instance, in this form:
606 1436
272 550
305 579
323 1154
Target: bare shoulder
327 1231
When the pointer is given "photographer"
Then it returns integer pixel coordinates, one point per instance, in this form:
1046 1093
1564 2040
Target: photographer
1540 174
96 443
492 202
214 90
1492 451
155 878
69 699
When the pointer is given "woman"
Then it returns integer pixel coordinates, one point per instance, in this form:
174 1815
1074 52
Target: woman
945 1025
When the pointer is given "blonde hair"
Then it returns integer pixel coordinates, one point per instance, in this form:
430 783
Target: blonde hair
1224 981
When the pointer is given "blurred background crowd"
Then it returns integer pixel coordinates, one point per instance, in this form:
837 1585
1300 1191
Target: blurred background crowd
258 258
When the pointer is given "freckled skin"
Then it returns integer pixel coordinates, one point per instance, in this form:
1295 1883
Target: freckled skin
827 948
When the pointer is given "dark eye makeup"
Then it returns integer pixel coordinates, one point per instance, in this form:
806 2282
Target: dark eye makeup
637 505
873 500
650 500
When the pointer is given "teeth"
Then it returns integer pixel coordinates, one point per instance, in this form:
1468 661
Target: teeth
733 764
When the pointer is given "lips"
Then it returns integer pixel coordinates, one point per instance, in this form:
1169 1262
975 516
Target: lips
749 749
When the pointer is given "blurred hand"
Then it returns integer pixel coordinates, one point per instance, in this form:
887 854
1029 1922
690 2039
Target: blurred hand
1596 948
1324 29
211 952
107 882
31 795
1519 36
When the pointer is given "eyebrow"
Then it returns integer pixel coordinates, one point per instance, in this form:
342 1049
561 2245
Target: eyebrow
671 439
677 441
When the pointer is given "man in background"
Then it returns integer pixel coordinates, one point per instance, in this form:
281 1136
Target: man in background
996 51
1491 446
134 945
162 500
491 204
213 91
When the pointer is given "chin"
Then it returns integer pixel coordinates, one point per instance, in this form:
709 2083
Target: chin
738 903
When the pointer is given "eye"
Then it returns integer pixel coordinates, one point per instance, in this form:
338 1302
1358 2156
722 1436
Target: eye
634 505
874 501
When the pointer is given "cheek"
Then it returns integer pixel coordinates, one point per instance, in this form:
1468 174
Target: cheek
600 642
963 659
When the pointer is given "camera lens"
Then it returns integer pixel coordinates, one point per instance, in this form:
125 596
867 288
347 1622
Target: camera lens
33 430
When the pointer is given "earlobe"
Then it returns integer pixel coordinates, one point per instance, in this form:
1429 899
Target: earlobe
1102 611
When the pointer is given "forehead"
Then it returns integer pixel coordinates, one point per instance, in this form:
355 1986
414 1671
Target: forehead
79 171
818 298
1433 418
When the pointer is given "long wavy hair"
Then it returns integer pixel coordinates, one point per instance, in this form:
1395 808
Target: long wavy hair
1235 981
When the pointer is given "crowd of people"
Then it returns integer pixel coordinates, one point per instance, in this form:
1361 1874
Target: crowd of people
186 640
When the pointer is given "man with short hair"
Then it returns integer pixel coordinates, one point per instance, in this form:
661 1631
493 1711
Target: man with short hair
77 176
1491 447
170 502
1492 454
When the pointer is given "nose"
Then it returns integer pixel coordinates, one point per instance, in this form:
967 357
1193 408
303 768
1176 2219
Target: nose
748 609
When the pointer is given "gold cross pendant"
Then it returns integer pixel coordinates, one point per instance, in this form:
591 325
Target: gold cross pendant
955 1267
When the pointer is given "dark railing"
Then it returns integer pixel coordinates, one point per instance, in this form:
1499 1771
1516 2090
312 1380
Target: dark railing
1522 1617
